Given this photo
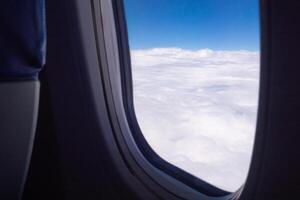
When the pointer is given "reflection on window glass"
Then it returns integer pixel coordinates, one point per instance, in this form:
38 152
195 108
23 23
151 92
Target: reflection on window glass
195 68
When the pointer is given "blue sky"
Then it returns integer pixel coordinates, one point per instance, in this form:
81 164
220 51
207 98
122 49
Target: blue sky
193 24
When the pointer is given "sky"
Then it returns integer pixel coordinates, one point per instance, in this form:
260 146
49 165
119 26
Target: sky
195 68
193 24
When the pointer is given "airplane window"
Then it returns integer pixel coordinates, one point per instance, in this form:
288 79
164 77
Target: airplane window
195 69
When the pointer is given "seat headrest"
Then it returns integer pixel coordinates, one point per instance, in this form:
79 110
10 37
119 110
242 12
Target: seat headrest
22 38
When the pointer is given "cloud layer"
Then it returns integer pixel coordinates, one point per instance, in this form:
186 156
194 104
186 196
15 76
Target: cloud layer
197 109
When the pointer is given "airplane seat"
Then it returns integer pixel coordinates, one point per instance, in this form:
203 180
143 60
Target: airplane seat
22 55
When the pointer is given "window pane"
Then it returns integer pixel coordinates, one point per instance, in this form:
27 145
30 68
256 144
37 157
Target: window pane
195 67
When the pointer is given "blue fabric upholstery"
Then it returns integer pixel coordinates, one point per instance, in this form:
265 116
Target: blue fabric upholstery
22 38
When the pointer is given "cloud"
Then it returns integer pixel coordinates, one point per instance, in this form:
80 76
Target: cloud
197 109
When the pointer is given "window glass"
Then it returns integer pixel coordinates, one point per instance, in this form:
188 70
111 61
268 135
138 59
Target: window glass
195 68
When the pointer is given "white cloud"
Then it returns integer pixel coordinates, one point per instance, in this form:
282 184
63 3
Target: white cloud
197 109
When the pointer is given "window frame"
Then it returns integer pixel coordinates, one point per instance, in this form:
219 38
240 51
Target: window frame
140 140
136 151
106 162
